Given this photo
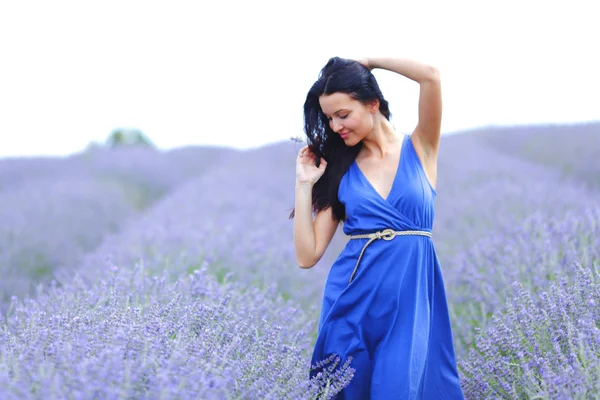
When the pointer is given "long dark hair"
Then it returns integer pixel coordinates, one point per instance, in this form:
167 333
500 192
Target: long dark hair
345 76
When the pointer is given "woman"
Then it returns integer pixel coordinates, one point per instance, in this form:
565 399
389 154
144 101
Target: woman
384 303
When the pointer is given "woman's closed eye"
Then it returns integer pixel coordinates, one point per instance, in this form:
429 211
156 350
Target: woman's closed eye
341 117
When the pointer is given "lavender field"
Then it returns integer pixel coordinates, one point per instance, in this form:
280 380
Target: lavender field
159 275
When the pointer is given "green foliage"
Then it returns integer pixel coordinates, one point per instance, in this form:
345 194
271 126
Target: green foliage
121 137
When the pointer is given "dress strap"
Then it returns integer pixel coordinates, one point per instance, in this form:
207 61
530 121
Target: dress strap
386 234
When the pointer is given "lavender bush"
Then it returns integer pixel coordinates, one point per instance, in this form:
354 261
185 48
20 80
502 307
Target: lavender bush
544 350
536 254
139 336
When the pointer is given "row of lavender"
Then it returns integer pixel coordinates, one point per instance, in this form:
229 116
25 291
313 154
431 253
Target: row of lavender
53 211
524 287
501 219
117 331
520 221
234 219
137 335
571 149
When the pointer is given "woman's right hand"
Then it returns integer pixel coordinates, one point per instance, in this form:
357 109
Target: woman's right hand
306 169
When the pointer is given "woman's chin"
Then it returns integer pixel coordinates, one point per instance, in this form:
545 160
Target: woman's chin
350 142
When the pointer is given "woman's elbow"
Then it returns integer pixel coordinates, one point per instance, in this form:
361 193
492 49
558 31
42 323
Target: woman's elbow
306 264
433 74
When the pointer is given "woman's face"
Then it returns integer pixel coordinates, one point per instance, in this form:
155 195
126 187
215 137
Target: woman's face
348 117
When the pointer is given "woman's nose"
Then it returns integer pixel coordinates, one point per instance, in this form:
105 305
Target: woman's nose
336 127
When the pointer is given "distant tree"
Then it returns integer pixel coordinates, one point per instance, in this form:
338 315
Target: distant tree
121 137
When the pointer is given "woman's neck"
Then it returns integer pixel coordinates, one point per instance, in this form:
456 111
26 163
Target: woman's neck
382 140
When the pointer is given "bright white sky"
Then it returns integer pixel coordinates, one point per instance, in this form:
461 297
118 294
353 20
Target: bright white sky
236 73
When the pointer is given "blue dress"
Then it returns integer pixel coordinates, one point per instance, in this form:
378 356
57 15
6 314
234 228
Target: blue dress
392 318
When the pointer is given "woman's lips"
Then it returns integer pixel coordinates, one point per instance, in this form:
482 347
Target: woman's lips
344 135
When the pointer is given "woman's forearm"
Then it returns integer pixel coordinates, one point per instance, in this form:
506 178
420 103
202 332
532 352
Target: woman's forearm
304 231
415 70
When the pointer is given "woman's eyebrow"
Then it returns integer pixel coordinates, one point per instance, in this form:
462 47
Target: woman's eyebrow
341 109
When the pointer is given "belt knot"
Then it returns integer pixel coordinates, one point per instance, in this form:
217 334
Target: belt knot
386 234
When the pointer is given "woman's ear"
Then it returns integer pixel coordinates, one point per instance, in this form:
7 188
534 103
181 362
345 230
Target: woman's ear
373 106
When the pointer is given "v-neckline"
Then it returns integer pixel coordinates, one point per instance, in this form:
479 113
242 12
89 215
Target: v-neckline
395 175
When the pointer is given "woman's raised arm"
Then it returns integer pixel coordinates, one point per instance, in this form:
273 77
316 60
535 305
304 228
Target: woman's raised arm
430 97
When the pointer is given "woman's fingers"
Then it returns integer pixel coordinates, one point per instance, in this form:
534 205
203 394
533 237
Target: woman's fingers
302 151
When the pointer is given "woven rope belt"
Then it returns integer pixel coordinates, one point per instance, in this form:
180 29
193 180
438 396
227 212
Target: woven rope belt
386 234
